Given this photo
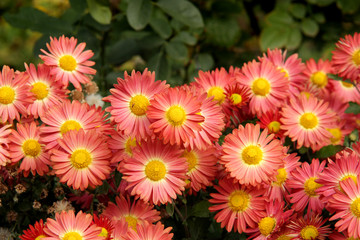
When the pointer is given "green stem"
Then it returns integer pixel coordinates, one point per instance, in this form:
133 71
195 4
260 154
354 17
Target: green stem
183 219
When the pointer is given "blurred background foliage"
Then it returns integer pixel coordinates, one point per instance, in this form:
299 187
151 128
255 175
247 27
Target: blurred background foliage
175 38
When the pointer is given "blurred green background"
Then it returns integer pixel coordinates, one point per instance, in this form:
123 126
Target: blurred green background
176 38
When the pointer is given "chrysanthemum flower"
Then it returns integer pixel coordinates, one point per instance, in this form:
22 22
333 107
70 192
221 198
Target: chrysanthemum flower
346 92
150 232
130 100
271 122
120 230
341 236
156 172
14 94
134 213
310 227
284 233
34 232
339 131
68 61
269 87
250 156
68 226
26 145
106 226
239 207
304 187
346 57
175 115
82 160
306 120
4 145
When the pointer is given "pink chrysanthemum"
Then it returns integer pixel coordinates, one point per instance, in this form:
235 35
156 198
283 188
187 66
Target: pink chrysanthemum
306 120
120 230
26 144
130 100
339 131
174 115
4 145
156 172
106 225
271 122
14 94
150 232
346 92
68 226
34 232
47 93
310 227
82 160
269 87
68 61
239 207
304 187
250 156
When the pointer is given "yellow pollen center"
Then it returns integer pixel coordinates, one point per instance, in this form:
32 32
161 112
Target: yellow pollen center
176 115
319 79
281 176
104 233
72 236
261 87
155 170
309 120
69 125
7 95
192 160
252 155
353 177
239 201
355 207
306 94
67 63
40 90
283 70
336 135
139 104
80 159
31 147
217 93
356 58
274 127
130 143
310 186
309 232
267 225
40 237
131 221
284 237
346 84
236 98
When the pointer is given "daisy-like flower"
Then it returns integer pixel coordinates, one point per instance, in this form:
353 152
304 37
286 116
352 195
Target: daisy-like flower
4 143
306 120
346 57
34 232
346 92
82 160
68 226
134 213
130 100
14 94
239 207
120 230
284 233
269 87
339 131
311 227
47 92
341 236
271 121
150 232
175 115
68 61
250 156
26 145
304 187
106 226
156 172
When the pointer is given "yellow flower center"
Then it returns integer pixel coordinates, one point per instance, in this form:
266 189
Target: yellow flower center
353 177
69 125
309 232
252 155
309 120
130 143
336 135
283 70
31 147
239 201
192 160
261 87
274 127
80 159
176 115
306 94
236 98
319 79
104 233
7 95
40 237
67 63
284 237
267 225
72 236
346 84
139 104
218 94
40 90
131 221
355 207
356 57
281 176
310 186
155 170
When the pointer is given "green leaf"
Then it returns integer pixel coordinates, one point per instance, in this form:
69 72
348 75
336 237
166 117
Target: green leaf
279 19
294 38
138 13
122 51
184 11
160 24
100 13
309 27
319 17
222 32
78 5
348 6
177 51
170 209
273 37
298 10
353 108
160 65
185 37
201 209
321 2
328 151
204 61
31 18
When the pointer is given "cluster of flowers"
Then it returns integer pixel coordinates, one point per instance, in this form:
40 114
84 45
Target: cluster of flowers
164 141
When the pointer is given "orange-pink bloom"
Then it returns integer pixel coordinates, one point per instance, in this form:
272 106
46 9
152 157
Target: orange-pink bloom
150 232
